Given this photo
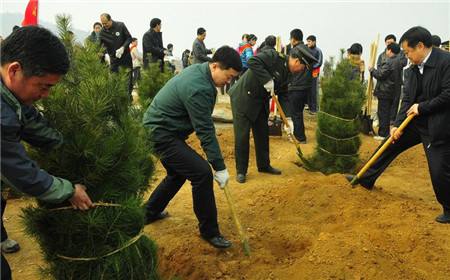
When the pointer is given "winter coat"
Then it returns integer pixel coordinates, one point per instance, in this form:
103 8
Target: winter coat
245 52
200 52
115 38
389 80
184 105
248 95
301 81
19 123
436 90
152 45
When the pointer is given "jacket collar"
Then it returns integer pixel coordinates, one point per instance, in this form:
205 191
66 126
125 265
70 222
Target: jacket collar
432 59
11 99
205 68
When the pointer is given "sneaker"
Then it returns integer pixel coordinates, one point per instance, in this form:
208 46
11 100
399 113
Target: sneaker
379 138
10 246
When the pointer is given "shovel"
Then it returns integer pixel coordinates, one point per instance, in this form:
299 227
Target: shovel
286 123
242 235
380 151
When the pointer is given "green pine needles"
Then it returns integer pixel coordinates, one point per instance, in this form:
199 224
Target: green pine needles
152 80
337 132
105 148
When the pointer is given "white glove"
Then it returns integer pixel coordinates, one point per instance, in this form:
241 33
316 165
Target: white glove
222 177
269 85
119 52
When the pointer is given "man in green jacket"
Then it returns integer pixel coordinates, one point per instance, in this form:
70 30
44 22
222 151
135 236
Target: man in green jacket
33 61
183 106
250 104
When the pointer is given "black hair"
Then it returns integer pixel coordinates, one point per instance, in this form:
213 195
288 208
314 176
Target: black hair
270 41
133 39
96 23
15 27
390 36
227 57
417 34
297 34
311 38
201 31
154 22
38 51
169 46
244 36
106 15
252 37
393 47
436 41
355 48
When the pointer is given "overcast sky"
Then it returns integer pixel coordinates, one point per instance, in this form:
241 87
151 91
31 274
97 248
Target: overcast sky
336 24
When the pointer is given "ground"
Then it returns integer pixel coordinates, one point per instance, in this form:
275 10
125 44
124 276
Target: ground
301 225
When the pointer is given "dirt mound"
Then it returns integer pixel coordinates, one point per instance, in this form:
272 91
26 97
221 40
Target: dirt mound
301 225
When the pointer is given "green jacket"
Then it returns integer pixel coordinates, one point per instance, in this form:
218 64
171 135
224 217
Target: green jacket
21 122
248 95
184 105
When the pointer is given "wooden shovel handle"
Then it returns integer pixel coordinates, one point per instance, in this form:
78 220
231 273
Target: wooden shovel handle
380 151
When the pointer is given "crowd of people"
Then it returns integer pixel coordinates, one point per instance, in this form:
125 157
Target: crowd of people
185 105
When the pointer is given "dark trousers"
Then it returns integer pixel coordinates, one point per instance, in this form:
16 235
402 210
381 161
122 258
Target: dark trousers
394 107
260 130
312 96
283 98
6 270
297 100
136 75
183 163
384 116
438 158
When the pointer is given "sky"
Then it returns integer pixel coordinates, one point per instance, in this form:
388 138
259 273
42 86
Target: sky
336 24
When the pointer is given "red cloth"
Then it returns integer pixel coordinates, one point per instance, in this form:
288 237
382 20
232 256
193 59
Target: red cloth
31 13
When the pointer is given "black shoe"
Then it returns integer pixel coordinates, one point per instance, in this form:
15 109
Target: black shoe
350 178
270 170
240 178
150 218
218 241
444 218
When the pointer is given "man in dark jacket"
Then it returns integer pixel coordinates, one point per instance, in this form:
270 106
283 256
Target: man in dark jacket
315 71
299 89
199 50
250 104
184 105
152 45
388 87
116 39
33 61
427 96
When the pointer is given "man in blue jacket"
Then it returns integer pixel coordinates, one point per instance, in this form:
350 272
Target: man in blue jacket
427 96
33 61
183 106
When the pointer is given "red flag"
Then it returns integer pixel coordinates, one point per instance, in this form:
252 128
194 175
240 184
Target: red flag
31 13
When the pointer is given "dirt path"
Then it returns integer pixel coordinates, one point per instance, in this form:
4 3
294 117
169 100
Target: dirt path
301 225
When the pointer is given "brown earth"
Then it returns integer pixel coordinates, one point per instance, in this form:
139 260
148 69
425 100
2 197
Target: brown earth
301 225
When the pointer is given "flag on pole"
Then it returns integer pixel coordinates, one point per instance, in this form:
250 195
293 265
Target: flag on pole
31 13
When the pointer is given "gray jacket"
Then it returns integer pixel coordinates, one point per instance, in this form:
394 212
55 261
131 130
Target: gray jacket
200 52
24 123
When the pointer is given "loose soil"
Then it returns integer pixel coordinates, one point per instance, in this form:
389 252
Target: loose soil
301 225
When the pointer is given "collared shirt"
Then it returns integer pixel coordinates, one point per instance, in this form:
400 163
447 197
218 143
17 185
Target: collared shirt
421 65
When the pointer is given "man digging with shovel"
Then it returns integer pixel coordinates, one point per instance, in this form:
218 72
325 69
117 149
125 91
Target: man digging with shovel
427 98
182 106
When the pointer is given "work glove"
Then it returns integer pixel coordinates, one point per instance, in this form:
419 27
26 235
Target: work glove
269 86
222 177
119 52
